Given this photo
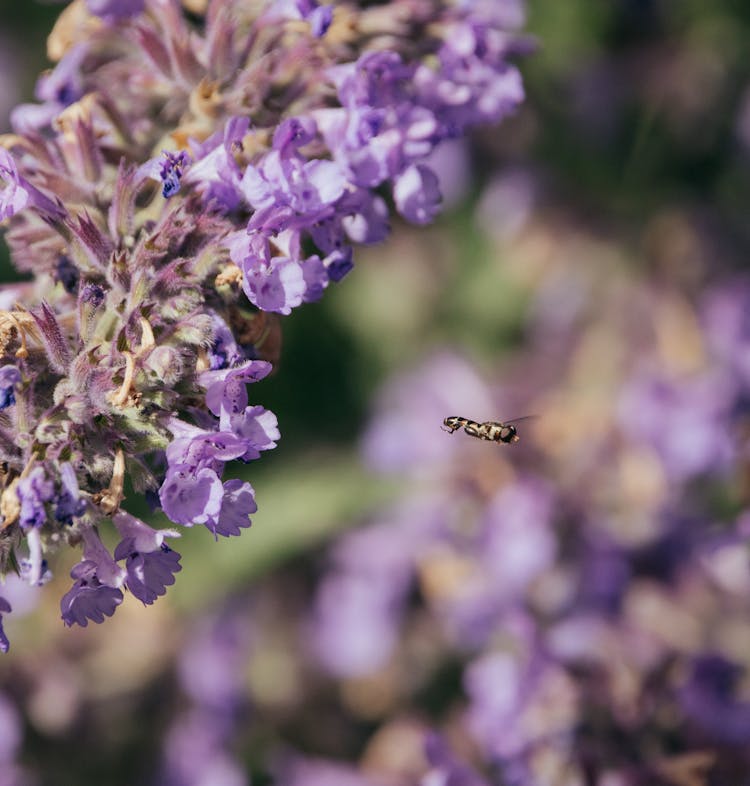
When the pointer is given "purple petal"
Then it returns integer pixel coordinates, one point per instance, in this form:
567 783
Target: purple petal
191 497
417 194
278 287
149 573
258 427
236 508
139 534
89 601
226 389
14 196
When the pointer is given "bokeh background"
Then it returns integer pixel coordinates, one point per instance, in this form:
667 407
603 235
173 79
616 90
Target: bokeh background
574 609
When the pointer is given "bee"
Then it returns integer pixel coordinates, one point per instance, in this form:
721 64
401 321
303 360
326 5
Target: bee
490 430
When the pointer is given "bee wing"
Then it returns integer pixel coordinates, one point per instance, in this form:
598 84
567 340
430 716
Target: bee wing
518 420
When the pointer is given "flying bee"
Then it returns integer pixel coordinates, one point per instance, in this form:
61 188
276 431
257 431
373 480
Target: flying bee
490 430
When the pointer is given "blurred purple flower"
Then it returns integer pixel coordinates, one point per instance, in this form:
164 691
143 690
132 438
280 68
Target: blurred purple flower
506 697
446 770
685 421
360 602
318 772
709 698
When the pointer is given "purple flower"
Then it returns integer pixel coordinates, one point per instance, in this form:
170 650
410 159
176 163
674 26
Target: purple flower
316 275
69 503
517 540
189 497
204 449
148 574
335 266
10 376
277 286
225 352
376 79
318 16
284 178
293 133
150 564
367 219
709 700
725 315
171 170
58 88
88 599
193 752
417 194
64 84
684 420
15 195
18 193
226 389
4 609
34 569
360 603
214 171
446 770
33 492
95 594
507 699
356 624
257 427
237 504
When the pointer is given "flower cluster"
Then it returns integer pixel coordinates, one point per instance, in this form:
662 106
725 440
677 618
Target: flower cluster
289 127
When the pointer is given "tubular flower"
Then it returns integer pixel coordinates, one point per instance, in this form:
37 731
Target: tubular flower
247 148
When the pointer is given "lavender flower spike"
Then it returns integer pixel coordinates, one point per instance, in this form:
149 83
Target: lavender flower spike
156 278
